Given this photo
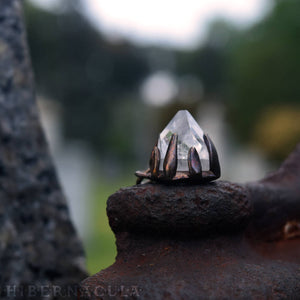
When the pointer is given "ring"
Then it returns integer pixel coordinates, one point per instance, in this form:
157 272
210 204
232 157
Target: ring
183 153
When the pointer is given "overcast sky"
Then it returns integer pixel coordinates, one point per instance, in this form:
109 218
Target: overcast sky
169 22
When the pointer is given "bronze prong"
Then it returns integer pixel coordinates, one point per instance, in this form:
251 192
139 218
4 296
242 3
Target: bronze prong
139 180
194 162
170 162
214 165
154 162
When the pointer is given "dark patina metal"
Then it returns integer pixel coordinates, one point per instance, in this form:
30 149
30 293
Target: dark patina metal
194 163
218 240
154 162
214 164
170 162
170 173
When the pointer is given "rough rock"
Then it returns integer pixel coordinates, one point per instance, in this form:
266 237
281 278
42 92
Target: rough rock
38 243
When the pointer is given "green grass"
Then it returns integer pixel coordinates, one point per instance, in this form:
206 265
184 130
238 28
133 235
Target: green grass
100 248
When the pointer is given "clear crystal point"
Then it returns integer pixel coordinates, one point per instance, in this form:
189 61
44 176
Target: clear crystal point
189 134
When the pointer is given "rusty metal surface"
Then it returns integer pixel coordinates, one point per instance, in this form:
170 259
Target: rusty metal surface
276 199
220 268
213 241
179 209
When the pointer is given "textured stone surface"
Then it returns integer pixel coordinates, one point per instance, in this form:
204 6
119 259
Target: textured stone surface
38 244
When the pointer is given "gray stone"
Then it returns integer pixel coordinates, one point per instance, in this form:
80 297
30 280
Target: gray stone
38 243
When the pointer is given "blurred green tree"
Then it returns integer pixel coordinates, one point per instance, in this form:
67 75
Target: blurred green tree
264 72
75 65
208 61
97 80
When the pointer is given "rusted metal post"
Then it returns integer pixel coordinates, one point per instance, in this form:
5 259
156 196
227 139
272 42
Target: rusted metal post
209 241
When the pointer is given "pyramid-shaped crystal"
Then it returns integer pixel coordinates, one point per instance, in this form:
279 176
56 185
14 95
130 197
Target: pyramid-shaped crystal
189 135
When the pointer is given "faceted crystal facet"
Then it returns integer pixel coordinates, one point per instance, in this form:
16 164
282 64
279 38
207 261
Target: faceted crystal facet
189 135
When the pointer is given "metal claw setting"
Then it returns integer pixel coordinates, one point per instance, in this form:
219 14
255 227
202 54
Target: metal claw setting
170 162
194 174
194 162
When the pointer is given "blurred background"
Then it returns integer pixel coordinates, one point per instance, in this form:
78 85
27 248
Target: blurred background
111 74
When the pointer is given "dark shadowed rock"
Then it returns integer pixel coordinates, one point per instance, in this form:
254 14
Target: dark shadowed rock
38 243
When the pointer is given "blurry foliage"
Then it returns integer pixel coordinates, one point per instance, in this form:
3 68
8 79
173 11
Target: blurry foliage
265 71
100 248
250 70
278 131
205 63
90 76
208 62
